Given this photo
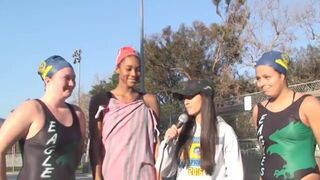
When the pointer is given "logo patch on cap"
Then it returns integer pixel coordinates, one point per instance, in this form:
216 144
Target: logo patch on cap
284 61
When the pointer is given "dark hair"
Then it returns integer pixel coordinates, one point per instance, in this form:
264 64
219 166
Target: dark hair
208 136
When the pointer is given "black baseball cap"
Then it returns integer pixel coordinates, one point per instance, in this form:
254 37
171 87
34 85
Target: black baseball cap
193 87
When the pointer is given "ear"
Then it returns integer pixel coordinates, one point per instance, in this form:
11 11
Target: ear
117 71
46 80
284 78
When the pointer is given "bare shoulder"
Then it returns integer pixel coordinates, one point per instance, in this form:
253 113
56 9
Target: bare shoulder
149 98
19 121
255 110
310 103
309 110
26 109
152 102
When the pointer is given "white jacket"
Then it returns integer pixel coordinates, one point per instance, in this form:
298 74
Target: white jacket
228 158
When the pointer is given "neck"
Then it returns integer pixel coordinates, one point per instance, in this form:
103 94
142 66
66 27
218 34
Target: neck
283 95
123 89
53 101
198 118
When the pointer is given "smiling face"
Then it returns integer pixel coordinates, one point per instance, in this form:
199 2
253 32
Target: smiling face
193 104
269 81
61 83
129 71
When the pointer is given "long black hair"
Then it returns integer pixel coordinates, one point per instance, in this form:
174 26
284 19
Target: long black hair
208 136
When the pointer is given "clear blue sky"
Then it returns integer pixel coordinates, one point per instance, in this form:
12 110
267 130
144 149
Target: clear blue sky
36 29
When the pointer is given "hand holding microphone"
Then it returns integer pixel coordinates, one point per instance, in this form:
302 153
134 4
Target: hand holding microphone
173 131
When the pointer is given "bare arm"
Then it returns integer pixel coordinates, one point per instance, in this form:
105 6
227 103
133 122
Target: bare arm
310 112
15 127
95 149
152 102
82 123
254 116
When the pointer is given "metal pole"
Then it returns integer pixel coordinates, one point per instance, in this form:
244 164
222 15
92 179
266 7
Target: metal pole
79 74
13 152
141 46
77 59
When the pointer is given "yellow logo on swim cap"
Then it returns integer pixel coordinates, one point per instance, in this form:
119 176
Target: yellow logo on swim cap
284 61
43 69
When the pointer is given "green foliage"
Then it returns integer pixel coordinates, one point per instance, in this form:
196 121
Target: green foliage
196 52
213 52
193 53
104 86
305 66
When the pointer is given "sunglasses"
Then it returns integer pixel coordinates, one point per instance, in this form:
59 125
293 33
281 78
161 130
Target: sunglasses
189 97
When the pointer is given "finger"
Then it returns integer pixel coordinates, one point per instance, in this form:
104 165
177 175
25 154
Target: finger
174 127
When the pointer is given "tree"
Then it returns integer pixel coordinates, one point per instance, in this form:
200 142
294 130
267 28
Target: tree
270 27
225 52
104 86
308 17
276 25
305 66
196 52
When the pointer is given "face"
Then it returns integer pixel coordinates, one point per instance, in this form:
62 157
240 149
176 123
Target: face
129 71
193 104
269 81
62 82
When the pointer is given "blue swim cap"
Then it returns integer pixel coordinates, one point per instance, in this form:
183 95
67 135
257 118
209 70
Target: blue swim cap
53 64
275 59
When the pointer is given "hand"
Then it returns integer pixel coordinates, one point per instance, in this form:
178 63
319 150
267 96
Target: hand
172 133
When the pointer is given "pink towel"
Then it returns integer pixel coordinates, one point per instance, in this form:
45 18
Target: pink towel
128 136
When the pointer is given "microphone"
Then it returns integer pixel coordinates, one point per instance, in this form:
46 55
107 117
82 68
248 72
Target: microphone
182 119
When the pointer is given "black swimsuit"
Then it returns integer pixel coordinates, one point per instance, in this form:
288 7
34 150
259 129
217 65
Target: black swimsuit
289 145
54 152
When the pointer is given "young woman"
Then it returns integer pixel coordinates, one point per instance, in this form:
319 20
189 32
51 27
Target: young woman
123 134
287 123
206 147
50 130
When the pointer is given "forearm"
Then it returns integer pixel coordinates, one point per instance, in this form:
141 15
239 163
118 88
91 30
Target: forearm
98 172
96 160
